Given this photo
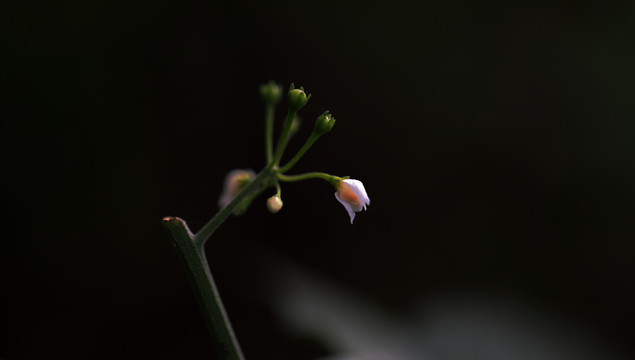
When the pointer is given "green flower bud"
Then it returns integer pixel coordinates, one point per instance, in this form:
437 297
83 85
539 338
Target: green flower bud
271 92
324 123
297 98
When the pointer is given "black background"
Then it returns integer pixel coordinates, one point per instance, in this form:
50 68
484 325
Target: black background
496 141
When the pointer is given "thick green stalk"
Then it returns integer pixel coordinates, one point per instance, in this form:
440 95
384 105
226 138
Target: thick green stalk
193 258
192 253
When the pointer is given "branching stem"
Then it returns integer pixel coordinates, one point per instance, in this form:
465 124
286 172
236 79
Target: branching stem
191 249
201 237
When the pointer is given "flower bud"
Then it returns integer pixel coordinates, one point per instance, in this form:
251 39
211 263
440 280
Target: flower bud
324 123
274 204
270 93
297 98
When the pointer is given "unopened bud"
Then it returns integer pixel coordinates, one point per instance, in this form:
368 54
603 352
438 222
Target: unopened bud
297 98
274 204
324 123
270 92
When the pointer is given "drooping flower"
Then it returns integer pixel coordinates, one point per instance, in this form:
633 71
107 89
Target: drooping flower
235 181
352 195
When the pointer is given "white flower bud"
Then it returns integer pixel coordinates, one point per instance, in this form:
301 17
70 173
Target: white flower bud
274 204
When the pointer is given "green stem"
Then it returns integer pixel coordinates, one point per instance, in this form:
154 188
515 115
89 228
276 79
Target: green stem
278 189
201 237
284 136
193 258
309 142
269 115
191 249
311 175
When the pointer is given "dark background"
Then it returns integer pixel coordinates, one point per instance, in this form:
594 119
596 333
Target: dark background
496 141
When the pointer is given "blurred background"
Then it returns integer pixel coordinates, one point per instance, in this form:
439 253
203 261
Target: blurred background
496 141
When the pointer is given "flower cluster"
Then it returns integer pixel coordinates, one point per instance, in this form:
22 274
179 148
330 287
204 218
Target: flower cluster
349 192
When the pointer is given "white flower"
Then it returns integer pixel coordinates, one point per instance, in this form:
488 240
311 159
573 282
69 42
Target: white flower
352 195
235 181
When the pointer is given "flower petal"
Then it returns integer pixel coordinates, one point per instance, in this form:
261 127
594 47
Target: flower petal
347 206
358 188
